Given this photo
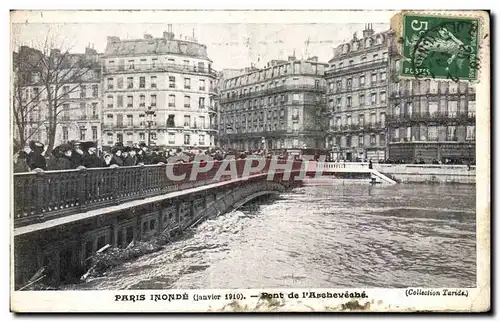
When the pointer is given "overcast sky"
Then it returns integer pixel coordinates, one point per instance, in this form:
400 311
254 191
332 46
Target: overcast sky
229 45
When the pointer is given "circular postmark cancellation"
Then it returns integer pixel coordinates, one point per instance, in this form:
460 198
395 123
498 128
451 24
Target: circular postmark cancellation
440 47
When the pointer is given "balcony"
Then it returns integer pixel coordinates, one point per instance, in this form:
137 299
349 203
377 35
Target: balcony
437 117
163 68
374 126
358 67
275 90
212 91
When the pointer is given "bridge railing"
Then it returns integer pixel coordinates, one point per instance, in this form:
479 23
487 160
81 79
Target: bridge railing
40 196
342 165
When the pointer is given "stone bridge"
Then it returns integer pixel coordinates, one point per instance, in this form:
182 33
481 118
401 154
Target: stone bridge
61 218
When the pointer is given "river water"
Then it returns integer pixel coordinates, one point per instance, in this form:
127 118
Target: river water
321 237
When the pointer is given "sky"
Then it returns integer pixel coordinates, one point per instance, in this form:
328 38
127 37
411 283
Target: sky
229 45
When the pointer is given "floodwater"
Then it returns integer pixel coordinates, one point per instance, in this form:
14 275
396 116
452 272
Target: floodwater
404 235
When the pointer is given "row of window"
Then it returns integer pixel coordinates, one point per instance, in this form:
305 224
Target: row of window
82 133
348 142
242 92
129 121
171 138
430 86
451 109
275 71
362 101
85 75
35 94
434 133
349 120
85 111
275 100
152 83
364 59
257 128
268 115
144 63
356 82
271 144
152 101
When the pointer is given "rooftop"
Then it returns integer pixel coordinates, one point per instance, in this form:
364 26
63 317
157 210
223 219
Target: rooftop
154 46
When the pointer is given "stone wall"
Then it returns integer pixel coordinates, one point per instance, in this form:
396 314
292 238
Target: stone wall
429 173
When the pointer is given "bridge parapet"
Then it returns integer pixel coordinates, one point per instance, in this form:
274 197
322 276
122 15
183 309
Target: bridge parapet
40 196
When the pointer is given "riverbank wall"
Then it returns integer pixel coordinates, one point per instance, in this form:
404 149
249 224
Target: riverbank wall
429 173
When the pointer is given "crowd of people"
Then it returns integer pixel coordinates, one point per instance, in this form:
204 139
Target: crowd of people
75 154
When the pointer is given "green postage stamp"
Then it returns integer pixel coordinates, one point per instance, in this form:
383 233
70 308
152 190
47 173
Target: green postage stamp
441 47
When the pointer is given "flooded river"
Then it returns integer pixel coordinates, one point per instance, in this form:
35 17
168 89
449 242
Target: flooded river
321 237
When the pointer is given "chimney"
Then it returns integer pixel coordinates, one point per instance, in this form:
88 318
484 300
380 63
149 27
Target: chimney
113 39
90 51
291 58
168 35
148 36
368 31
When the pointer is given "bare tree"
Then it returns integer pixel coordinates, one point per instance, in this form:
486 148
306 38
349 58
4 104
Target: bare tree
56 74
23 104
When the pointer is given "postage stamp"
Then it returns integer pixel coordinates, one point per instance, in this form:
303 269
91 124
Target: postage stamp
443 46
222 161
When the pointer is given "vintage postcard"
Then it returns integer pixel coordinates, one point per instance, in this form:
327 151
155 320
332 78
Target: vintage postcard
220 161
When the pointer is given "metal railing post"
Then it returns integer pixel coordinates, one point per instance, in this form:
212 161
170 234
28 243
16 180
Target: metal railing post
40 185
82 193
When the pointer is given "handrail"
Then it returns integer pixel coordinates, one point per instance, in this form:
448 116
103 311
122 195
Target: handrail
40 196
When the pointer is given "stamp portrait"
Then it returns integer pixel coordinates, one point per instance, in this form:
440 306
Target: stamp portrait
443 47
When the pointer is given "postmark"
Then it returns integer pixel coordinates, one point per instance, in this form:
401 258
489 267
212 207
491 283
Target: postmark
440 47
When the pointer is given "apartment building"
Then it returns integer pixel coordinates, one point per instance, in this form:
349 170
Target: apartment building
430 120
276 107
73 82
357 97
159 91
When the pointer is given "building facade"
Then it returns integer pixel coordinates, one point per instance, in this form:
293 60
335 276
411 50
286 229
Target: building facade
276 107
357 97
159 91
429 120
70 86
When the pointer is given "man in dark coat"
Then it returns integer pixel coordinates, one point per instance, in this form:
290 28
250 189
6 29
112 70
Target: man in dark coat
90 158
76 154
129 159
62 157
143 154
158 157
117 156
35 158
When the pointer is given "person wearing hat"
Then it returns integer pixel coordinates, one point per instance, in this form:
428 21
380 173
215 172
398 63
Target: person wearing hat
20 163
117 155
144 155
52 160
129 158
76 154
35 159
90 158
158 157
62 157
106 159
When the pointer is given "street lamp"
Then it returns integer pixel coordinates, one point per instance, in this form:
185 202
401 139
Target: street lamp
149 114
